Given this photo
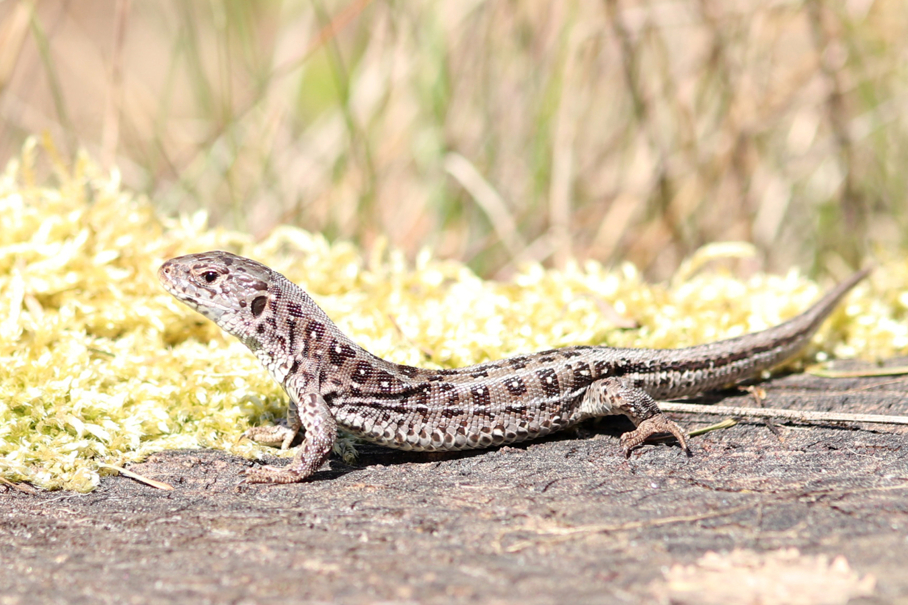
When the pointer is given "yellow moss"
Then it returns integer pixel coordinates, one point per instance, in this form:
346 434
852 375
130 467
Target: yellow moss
99 364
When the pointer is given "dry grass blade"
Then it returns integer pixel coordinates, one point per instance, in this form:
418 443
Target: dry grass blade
137 477
489 200
725 424
12 36
22 487
825 372
799 415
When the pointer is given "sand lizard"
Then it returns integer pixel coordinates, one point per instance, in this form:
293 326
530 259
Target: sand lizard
332 382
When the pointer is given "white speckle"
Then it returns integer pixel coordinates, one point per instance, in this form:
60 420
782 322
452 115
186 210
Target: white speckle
548 380
313 334
384 384
585 372
362 371
338 349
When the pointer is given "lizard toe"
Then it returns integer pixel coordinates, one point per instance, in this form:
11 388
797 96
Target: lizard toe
270 474
653 426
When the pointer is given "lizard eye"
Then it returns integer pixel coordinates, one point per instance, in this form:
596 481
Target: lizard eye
209 276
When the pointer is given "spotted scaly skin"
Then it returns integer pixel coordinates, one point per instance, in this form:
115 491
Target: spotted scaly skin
332 382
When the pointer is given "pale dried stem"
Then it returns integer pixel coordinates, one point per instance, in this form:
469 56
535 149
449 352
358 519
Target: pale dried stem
799 415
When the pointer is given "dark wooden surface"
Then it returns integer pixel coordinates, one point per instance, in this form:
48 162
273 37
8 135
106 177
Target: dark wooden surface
568 519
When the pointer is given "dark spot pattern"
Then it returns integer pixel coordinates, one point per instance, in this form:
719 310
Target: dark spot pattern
515 386
294 368
340 353
295 309
386 382
481 396
408 371
363 371
258 305
603 368
281 343
519 362
315 330
582 375
291 335
548 380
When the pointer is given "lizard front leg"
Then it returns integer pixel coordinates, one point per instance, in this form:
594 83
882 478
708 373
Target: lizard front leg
617 396
321 433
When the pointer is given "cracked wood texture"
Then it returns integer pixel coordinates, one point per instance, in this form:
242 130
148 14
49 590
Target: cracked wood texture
563 519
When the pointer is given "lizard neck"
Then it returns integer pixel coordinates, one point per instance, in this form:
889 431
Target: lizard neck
293 337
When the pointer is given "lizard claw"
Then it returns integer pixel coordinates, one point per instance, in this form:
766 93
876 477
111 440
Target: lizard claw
649 427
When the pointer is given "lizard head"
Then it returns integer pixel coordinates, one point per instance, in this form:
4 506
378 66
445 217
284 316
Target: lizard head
221 286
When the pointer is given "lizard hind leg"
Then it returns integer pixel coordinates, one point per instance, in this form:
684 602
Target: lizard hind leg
616 396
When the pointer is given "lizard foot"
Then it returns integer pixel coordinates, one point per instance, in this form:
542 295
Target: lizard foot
275 435
272 474
649 427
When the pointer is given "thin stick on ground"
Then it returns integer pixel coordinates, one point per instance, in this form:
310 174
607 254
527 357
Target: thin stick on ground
800 415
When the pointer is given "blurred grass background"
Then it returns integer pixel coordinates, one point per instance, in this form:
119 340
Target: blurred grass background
489 131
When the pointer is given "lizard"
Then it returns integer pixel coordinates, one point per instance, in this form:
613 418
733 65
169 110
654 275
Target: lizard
332 382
